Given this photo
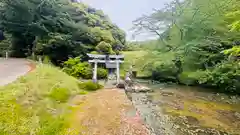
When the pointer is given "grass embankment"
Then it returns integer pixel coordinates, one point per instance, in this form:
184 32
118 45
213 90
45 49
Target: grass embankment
49 102
136 58
37 103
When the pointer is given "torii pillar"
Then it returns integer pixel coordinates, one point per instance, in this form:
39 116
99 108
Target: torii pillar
95 71
118 72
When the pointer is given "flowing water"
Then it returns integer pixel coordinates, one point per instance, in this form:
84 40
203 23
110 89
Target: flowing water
183 110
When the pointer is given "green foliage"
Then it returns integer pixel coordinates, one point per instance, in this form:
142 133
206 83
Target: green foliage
102 35
102 73
225 77
59 94
104 48
235 51
193 78
132 46
200 40
90 86
166 71
5 45
233 16
76 68
59 29
139 61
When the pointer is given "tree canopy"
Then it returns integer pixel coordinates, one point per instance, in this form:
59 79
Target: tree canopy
57 28
198 42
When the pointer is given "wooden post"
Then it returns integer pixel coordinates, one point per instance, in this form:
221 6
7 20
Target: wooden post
6 54
118 73
95 72
40 60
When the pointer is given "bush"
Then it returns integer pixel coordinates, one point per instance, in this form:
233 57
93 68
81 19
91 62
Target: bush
90 86
102 73
5 46
76 68
60 94
225 76
164 71
191 78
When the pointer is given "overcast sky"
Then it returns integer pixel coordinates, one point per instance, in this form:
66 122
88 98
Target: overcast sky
123 12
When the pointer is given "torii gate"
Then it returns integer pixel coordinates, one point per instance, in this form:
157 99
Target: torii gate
107 59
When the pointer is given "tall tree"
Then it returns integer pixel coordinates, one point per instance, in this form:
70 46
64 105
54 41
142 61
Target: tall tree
38 26
196 33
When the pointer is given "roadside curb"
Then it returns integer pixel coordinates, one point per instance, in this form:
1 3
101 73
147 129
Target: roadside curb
32 66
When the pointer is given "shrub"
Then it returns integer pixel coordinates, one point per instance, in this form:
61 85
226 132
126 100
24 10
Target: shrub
225 76
5 45
76 68
190 78
102 73
84 70
60 94
90 86
71 62
164 71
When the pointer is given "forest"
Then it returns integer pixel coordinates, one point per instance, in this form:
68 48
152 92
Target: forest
58 29
198 43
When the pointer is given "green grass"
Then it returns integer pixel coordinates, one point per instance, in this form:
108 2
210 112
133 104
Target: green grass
37 103
136 58
90 86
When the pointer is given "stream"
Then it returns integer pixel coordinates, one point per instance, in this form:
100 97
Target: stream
184 110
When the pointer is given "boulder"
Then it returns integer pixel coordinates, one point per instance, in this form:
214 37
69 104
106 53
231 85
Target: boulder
121 85
140 88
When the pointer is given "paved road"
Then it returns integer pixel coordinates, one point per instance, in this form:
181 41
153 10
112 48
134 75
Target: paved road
11 69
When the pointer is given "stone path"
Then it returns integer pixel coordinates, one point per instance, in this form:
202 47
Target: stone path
11 69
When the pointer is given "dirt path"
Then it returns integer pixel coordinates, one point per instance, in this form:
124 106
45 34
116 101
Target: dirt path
11 69
106 112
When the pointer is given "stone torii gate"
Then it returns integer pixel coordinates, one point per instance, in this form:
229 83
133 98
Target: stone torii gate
111 61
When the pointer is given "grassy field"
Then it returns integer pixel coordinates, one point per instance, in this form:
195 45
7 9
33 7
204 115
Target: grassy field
137 59
37 104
